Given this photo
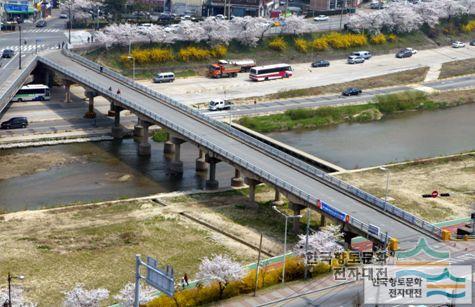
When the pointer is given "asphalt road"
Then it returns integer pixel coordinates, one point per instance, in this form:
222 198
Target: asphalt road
277 106
247 153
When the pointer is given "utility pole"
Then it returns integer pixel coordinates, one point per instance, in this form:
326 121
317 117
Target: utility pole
19 45
343 6
257 266
306 242
70 22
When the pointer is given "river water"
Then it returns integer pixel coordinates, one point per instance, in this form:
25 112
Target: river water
398 138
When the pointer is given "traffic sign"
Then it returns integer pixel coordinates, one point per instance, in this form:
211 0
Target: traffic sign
435 194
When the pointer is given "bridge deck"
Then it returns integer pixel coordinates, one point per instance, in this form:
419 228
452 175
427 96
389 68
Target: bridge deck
306 183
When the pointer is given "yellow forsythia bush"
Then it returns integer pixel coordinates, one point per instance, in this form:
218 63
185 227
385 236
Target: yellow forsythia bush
378 39
320 44
219 51
302 45
193 53
392 37
277 44
469 27
155 55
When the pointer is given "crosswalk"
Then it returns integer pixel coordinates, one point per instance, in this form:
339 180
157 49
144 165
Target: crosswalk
41 31
32 48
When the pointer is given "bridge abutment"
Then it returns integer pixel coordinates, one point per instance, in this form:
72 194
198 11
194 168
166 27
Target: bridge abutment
201 165
144 149
252 183
176 167
237 180
212 183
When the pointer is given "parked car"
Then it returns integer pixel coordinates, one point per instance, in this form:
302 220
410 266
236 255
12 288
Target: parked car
351 91
219 104
15 123
364 54
413 51
63 16
376 6
472 43
321 63
220 16
321 18
41 23
164 77
404 54
458 44
353 59
8 53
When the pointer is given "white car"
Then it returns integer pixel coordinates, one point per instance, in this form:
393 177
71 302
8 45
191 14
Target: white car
63 16
458 44
220 16
414 51
321 18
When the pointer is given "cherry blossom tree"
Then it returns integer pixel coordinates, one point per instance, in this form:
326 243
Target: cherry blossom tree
403 18
221 269
79 8
126 296
216 30
80 297
323 241
250 30
17 296
295 25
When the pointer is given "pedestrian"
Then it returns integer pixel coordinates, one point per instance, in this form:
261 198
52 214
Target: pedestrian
88 39
59 46
101 69
118 91
183 283
255 101
92 39
186 279
24 41
62 46
110 88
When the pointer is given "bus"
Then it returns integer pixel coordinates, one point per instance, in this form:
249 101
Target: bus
278 71
32 92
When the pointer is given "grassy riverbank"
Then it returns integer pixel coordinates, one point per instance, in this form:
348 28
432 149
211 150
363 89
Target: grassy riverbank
457 68
379 107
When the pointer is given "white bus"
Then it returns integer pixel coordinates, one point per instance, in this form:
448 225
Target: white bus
33 92
269 72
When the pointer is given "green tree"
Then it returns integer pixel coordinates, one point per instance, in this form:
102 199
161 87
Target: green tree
115 7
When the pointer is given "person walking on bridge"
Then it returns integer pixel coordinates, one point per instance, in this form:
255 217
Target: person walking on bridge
110 88
118 91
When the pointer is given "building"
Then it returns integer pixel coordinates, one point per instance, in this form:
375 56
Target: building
239 7
18 9
328 6
187 7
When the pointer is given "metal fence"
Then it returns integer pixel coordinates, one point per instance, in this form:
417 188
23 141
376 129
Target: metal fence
371 199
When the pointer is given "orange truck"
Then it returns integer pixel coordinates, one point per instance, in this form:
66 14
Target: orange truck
223 71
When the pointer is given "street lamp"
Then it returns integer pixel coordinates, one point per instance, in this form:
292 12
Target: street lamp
285 236
133 65
387 182
19 46
70 21
9 279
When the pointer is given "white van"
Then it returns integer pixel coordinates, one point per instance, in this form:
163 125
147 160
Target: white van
164 77
363 54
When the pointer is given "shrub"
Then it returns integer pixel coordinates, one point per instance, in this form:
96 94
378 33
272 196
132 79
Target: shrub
301 45
344 41
158 55
392 37
155 55
469 27
294 268
193 53
320 44
160 136
378 39
320 268
278 44
403 101
219 51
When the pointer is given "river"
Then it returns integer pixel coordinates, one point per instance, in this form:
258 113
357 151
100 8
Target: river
397 138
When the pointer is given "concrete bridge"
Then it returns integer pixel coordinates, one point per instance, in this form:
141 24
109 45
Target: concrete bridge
254 161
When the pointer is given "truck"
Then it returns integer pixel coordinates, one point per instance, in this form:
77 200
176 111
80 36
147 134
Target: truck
219 104
245 64
223 71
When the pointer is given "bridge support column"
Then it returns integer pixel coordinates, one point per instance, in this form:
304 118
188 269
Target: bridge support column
168 146
90 112
138 131
67 89
296 222
252 183
111 112
212 183
237 180
348 236
117 132
323 220
277 198
201 165
144 148
176 167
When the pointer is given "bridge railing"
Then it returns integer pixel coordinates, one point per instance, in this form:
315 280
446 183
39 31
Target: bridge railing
215 148
371 199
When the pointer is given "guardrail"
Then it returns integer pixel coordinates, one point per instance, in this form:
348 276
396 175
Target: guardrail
220 151
13 89
371 199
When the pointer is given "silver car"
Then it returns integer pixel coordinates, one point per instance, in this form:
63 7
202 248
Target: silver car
354 59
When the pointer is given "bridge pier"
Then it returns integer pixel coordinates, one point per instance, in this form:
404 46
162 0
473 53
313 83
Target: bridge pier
138 130
252 183
296 208
168 146
111 112
323 220
212 183
144 148
237 180
117 132
90 112
277 198
67 88
348 236
201 165
176 167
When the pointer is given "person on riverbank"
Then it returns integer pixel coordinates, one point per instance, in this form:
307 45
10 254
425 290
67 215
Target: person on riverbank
186 279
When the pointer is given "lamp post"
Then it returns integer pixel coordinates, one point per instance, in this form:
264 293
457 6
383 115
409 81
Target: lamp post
133 65
285 236
70 21
19 46
387 182
9 279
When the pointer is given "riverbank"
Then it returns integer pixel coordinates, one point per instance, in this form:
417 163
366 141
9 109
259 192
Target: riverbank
378 108
409 181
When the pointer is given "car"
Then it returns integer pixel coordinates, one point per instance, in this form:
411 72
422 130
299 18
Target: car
351 91
413 51
404 54
458 44
321 18
364 54
353 59
376 6
321 63
41 23
220 16
15 123
63 16
472 43
8 53
164 77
